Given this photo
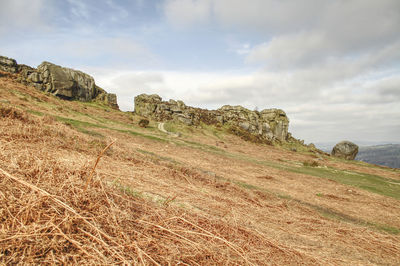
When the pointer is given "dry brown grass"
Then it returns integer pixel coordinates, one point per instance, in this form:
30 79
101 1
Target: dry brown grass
49 216
172 205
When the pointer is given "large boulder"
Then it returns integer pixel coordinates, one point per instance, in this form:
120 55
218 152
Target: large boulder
65 82
8 64
345 149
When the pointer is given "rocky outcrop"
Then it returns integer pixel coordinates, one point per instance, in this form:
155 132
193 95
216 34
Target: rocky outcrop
8 65
345 150
269 125
63 82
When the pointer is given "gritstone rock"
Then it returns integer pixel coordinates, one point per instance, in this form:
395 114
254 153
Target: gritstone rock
63 82
8 65
269 124
346 150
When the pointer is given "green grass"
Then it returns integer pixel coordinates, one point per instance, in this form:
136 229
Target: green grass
247 185
338 216
171 127
81 126
126 189
159 157
35 112
373 183
134 133
323 211
218 133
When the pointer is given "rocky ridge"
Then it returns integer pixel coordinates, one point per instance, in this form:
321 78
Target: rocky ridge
268 125
63 82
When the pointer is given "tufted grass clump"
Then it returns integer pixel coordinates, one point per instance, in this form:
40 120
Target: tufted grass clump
311 163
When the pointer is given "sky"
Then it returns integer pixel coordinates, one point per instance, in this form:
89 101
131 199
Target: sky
332 65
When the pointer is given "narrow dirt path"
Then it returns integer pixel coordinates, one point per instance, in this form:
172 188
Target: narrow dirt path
162 129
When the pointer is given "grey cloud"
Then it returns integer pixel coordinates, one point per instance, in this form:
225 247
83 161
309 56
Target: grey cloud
22 15
299 33
184 13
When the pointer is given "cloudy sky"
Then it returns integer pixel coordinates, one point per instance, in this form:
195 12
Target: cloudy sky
333 66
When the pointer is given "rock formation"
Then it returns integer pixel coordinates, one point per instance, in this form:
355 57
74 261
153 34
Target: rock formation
269 125
63 82
346 150
8 65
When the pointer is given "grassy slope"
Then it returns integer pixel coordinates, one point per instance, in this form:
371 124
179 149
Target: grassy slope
191 199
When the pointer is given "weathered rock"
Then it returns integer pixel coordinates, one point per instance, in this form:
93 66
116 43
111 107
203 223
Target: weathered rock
109 99
8 64
63 82
146 105
269 125
346 150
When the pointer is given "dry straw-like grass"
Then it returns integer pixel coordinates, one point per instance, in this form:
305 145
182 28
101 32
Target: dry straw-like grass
67 198
51 212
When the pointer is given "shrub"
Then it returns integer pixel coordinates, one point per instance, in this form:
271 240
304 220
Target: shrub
311 163
143 123
12 113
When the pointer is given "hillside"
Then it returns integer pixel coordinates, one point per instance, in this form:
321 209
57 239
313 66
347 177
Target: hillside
81 182
388 155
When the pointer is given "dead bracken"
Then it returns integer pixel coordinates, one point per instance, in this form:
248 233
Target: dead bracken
82 185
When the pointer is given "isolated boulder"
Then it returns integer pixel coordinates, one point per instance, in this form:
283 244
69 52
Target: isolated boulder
345 149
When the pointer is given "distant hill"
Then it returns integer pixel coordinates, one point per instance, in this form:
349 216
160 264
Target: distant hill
387 155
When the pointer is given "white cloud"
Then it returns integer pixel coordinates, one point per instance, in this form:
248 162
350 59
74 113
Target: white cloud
18 15
290 51
119 47
184 13
354 110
